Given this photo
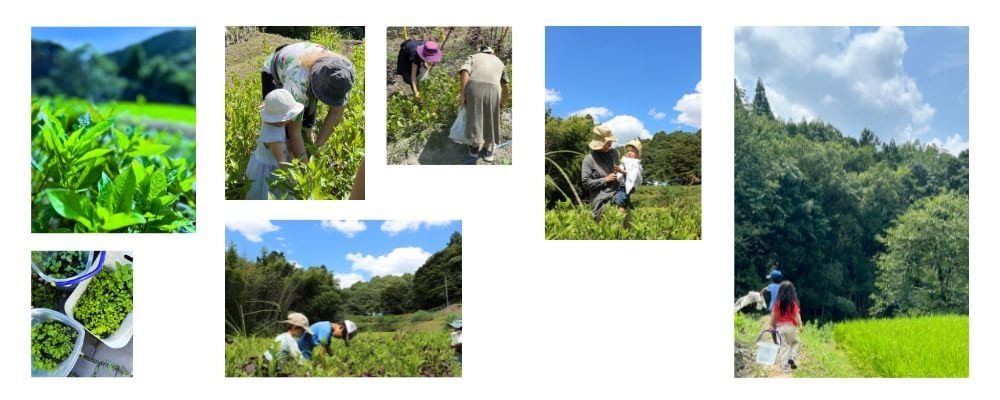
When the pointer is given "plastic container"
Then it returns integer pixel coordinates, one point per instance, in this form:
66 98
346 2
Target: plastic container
116 340
95 261
767 352
40 315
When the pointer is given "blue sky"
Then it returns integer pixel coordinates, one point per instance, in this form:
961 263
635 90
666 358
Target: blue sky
904 83
104 39
634 79
352 250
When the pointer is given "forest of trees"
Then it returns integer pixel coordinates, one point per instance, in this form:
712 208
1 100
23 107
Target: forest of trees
861 226
260 292
673 157
160 69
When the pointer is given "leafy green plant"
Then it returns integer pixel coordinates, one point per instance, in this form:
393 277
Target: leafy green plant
106 301
656 217
60 264
43 294
421 315
51 343
371 354
329 173
92 173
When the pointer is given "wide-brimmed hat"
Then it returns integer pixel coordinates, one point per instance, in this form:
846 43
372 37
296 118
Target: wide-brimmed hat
429 52
299 320
601 135
636 144
331 79
279 106
350 326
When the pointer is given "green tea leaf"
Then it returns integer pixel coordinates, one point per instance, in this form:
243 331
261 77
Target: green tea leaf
122 192
95 153
121 220
157 184
149 149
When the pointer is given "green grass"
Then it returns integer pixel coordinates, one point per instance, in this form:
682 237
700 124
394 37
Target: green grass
154 111
382 354
660 213
902 347
935 346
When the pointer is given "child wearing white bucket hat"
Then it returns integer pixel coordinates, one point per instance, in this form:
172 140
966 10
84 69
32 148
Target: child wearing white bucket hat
322 334
279 109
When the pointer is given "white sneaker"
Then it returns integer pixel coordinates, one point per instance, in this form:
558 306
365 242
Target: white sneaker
474 154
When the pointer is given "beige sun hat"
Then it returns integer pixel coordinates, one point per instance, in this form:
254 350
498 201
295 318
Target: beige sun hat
280 106
299 320
601 135
635 143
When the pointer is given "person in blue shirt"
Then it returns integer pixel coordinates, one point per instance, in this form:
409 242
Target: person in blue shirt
775 278
323 333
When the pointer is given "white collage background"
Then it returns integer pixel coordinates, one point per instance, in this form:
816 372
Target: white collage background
545 319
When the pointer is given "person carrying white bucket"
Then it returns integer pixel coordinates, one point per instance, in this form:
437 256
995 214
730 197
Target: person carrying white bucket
786 320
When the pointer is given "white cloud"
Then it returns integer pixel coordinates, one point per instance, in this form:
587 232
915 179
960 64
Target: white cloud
280 238
657 115
252 230
954 144
348 279
295 264
597 113
398 262
348 227
552 96
394 227
844 77
627 127
689 107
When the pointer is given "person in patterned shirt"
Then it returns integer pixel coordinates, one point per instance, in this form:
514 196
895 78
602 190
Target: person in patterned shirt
311 73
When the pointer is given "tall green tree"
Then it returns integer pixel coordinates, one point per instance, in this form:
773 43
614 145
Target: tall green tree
925 267
761 107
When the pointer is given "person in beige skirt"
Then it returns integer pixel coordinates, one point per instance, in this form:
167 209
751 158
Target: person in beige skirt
484 92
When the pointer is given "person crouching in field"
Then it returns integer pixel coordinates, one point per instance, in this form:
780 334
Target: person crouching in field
456 338
629 174
288 347
278 110
322 334
414 59
786 320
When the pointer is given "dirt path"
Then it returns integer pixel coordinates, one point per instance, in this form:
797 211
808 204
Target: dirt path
434 148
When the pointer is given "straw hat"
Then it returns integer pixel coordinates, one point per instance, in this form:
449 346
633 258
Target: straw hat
635 143
599 136
299 320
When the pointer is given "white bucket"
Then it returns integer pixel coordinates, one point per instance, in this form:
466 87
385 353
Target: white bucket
767 351
120 337
40 315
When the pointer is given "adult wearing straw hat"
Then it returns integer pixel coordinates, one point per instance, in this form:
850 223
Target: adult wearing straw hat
413 60
598 170
312 73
